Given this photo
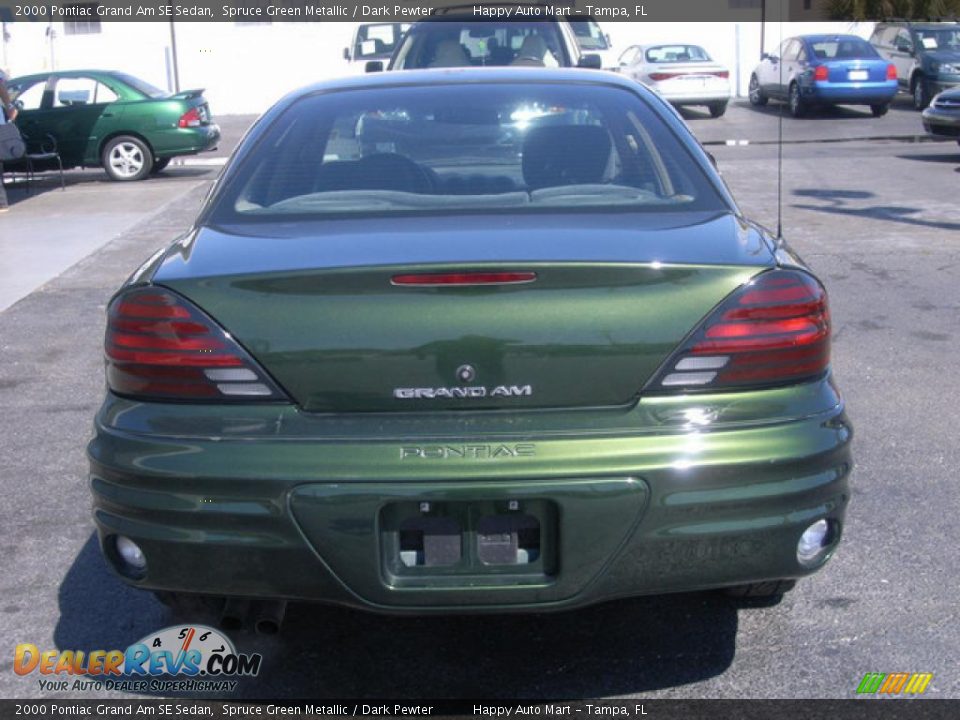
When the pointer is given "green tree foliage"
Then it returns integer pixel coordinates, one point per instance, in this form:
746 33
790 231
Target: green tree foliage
879 9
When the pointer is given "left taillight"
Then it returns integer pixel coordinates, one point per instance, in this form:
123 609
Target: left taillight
891 72
775 330
191 118
821 73
160 346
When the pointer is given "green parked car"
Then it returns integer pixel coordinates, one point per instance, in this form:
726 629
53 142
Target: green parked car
112 120
468 340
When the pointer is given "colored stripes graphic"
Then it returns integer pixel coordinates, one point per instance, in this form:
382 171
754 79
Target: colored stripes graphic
894 683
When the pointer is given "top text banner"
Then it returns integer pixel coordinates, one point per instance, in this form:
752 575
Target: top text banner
410 10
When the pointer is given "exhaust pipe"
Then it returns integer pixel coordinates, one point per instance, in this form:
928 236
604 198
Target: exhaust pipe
234 613
268 616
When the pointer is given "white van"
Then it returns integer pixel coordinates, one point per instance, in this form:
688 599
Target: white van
373 41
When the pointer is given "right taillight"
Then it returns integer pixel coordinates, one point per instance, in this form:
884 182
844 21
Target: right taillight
160 346
191 118
891 72
775 330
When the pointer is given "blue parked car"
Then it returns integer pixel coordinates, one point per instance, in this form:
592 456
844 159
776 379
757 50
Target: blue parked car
825 70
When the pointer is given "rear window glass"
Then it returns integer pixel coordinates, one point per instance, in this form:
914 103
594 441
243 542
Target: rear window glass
142 86
842 48
498 147
445 43
677 54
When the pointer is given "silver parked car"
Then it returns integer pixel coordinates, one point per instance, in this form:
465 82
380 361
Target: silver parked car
682 74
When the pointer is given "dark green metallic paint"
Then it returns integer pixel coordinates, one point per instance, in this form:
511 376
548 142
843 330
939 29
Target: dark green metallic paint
637 492
82 131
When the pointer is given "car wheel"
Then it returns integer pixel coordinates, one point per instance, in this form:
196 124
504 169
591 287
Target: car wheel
717 109
126 158
159 165
190 605
757 97
772 589
921 94
879 110
796 103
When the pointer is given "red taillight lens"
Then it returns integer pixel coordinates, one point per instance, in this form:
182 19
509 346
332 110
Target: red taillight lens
191 118
464 278
773 331
659 76
160 346
821 73
891 72
722 73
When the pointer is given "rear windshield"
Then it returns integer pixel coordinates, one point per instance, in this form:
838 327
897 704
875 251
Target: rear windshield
677 54
141 86
480 147
842 48
447 43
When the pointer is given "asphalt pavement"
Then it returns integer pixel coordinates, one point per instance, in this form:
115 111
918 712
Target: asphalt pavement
867 202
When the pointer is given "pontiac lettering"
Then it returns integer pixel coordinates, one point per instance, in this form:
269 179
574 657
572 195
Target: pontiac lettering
470 452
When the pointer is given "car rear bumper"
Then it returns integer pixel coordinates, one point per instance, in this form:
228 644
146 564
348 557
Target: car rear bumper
185 141
853 93
265 510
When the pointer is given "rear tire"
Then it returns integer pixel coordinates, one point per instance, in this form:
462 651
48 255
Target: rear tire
771 589
879 110
757 98
921 93
127 158
795 101
159 165
717 109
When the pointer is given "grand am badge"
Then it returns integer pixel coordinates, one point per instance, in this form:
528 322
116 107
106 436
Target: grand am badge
451 393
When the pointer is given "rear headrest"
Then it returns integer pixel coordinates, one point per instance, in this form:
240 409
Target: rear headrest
565 155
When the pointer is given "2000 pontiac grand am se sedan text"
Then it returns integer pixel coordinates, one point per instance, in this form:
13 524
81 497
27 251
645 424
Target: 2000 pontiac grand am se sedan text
469 340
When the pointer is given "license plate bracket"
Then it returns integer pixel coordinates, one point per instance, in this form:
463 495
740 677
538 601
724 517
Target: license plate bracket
453 543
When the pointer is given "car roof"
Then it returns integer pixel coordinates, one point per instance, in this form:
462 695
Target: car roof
829 36
70 73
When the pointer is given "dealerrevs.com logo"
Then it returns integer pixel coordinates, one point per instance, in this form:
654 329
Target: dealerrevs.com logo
177 658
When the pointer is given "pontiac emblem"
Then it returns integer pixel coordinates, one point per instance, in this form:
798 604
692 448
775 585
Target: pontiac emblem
466 373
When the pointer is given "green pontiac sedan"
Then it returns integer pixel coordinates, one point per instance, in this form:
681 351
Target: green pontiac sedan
468 340
112 120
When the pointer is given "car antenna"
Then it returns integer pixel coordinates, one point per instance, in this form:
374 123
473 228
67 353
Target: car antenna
780 139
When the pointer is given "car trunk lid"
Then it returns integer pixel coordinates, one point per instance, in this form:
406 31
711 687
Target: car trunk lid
600 306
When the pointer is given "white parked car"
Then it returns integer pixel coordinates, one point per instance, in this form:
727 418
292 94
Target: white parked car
682 74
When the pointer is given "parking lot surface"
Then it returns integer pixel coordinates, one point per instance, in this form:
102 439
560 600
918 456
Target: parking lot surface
867 203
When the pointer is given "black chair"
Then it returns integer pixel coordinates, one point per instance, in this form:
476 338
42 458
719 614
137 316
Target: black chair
41 152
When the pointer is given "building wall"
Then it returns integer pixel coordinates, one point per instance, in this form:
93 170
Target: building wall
246 67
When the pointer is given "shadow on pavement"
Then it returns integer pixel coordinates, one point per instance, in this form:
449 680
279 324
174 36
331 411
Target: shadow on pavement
46 182
945 158
836 204
622 647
